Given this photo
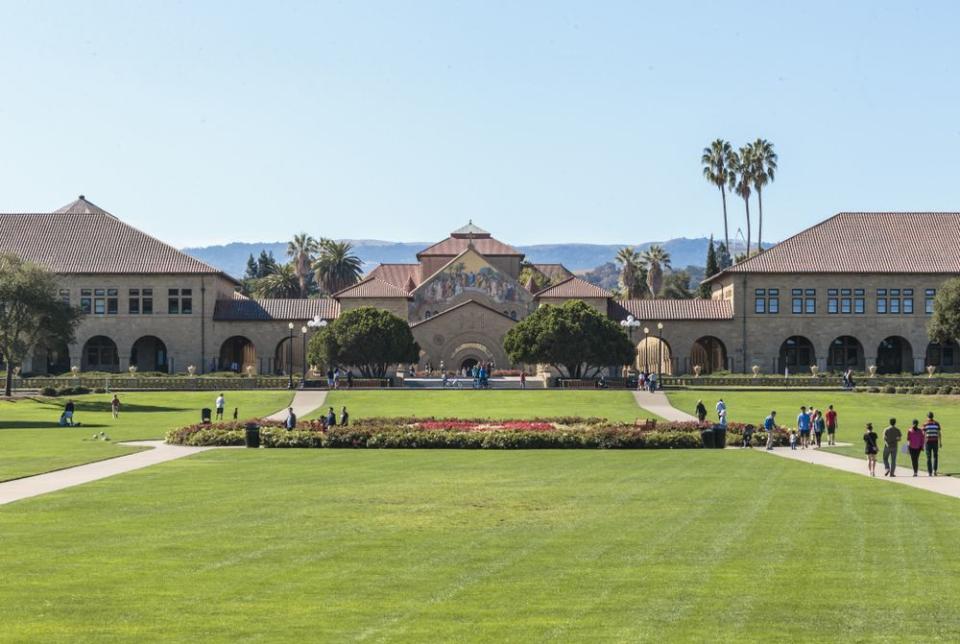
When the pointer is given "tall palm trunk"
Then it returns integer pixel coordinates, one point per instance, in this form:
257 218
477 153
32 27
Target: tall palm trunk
746 203
759 220
726 229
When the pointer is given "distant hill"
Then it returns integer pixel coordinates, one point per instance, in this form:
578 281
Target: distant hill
232 258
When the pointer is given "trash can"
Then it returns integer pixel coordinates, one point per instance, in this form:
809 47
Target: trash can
205 416
719 436
253 435
708 438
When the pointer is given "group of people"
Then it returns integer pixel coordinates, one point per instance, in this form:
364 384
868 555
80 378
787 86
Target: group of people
811 425
70 408
334 375
647 381
928 438
329 420
848 379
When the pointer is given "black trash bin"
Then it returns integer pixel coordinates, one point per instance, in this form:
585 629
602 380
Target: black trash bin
708 438
719 436
205 416
253 435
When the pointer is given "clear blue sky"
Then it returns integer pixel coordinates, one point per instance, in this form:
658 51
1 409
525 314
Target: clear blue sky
206 122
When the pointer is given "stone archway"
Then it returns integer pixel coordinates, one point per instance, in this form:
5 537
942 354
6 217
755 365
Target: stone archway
845 352
796 355
149 353
651 352
945 357
100 354
710 353
894 355
237 353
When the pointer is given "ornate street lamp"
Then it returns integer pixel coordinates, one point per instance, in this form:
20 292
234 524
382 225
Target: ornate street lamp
630 324
659 352
290 356
303 373
646 332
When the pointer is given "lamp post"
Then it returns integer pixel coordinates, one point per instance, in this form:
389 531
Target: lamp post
303 372
630 324
659 351
316 323
646 347
290 356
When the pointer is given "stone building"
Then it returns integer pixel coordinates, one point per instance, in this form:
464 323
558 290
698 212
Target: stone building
851 292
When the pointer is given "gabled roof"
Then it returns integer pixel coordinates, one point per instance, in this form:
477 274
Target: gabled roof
865 242
459 306
452 246
372 287
574 287
82 238
470 230
398 274
554 272
666 309
242 309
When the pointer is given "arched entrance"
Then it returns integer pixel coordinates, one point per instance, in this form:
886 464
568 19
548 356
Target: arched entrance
943 356
284 361
149 353
237 353
894 355
654 356
100 354
796 355
846 352
710 353
469 354
52 361
467 364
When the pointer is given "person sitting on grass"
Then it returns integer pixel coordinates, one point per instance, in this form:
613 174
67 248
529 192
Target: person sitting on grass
68 410
870 448
747 436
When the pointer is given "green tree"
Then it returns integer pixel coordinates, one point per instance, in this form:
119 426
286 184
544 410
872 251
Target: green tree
712 268
532 278
764 167
251 273
301 250
367 338
676 285
741 169
337 267
716 160
723 256
281 282
655 259
31 313
944 325
573 338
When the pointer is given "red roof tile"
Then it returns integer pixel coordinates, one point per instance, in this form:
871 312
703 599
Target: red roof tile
554 271
242 308
453 246
866 242
665 309
461 305
574 287
398 274
372 287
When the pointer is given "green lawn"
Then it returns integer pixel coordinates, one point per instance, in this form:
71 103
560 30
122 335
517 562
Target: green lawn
613 404
854 410
32 442
417 546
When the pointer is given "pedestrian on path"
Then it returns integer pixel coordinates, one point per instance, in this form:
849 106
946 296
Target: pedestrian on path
221 403
331 418
701 411
870 448
769 426
291 422
891 442
803 426
915 445
523 379
115 407
831 418
344 417
723 418
934 441
819 424
721 407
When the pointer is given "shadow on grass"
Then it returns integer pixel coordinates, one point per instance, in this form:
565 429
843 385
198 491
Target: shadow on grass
40 424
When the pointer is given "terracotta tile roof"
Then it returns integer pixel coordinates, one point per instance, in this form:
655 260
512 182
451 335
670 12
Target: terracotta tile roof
470 230
372 287
664 309
242 308
866 242
453 246
461 305
574 287
81 238
554 271
398 274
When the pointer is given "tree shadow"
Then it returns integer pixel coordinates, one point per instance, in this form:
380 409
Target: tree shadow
43 424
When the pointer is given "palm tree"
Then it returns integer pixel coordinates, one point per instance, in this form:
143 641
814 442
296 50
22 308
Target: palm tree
630 284
655 259
764 167
741 171
302 249
280 282
716 163
337 267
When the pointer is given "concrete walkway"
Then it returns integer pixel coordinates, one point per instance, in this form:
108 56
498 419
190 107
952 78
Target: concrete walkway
658 403
52 481
303 403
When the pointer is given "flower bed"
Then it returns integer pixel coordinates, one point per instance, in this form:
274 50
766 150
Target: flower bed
406 433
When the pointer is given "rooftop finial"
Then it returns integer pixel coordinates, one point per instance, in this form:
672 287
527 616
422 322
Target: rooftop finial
82 198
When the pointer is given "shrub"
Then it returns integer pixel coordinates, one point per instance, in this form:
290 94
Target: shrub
930 391
50 392
903 390
945 390
874 390
73 391
889 389
916 390
99 390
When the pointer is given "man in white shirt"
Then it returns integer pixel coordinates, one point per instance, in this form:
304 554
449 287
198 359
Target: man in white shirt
221 403
721 408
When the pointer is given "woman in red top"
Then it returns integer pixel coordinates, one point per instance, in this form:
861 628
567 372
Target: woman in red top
831 418
915 445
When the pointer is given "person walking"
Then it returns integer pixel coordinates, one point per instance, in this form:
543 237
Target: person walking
915 445
870 448
721 407
115 407
701 411
933 441
291 422
220 404
344 417
831 418
723 418
523 379
770 426
331 418
803 426
819 424
891 441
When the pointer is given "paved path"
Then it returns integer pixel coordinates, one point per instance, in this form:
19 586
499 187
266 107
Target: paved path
52 481
658 403
303 403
